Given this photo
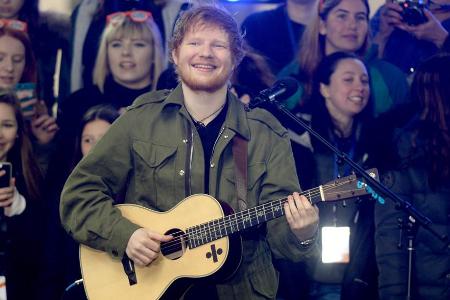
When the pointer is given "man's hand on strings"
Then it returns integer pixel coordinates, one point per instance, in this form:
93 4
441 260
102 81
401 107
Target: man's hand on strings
302 217
144 246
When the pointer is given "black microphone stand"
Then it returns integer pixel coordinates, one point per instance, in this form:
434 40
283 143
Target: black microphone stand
415 218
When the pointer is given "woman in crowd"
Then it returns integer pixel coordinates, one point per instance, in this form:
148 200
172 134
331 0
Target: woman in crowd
18 72
48 32
342 25
21 215
89 19
129 62
422 177
339 110
60 266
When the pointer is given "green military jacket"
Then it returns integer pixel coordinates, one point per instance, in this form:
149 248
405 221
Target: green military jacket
152 153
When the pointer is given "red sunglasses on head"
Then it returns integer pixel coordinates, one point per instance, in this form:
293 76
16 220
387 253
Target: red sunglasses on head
138 16
13 24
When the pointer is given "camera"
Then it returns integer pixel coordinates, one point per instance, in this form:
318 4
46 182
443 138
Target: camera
412 13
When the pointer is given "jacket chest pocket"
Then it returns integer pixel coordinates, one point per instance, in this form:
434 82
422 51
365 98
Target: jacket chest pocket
255 176
155 169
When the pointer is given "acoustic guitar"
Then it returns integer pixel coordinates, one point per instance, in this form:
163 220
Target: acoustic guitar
206 243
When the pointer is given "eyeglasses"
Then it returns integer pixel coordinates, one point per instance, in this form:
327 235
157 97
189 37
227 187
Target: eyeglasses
138 16
13 24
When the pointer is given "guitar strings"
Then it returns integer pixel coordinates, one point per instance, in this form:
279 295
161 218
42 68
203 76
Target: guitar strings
227 221
235 218
207 228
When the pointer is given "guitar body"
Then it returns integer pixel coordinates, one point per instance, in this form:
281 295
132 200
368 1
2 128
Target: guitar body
206 244
171 273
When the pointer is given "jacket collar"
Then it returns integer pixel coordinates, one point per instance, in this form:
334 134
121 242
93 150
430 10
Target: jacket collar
237 116
236 119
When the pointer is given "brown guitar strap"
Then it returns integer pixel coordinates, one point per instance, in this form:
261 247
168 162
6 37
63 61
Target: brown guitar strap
240 170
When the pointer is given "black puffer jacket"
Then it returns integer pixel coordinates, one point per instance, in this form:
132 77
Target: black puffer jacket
431 266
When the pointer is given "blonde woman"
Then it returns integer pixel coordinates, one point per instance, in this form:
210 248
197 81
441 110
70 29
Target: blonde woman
128 64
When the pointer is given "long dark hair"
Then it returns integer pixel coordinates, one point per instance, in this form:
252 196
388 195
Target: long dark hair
431 89
21 154
321 119
103 112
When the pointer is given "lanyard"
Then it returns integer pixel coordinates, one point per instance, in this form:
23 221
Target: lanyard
350 154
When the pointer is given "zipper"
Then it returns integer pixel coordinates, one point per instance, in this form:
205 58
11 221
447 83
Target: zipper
188 161
215 143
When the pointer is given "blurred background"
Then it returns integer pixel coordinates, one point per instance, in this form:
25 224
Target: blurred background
241 8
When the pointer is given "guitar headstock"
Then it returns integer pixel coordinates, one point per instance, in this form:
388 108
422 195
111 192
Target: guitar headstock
347 187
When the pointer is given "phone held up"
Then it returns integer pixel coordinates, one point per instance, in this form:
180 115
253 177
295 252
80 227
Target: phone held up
31 107
5 179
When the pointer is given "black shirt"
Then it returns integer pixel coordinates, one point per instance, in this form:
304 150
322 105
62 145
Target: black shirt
209 135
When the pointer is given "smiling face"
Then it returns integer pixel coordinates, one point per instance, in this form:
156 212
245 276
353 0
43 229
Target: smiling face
203 59
9 9
348 92
345 27
12 61
8 129
130 61
92 133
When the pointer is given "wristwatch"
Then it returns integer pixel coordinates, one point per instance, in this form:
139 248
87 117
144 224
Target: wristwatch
308 242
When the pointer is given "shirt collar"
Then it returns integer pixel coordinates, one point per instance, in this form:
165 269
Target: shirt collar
236 119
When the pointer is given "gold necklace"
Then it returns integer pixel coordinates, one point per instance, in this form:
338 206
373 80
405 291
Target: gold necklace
200 122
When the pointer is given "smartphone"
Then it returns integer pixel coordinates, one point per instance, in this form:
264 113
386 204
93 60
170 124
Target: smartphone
26 91
6 178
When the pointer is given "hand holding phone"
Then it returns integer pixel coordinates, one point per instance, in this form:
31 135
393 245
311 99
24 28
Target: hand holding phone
26 93
5 174
6 188
43 127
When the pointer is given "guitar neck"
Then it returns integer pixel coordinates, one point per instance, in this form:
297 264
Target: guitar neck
207 232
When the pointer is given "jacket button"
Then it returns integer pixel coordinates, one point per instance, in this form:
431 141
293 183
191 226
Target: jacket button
181 172
212 165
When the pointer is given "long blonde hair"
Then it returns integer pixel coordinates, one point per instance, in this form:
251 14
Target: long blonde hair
127 27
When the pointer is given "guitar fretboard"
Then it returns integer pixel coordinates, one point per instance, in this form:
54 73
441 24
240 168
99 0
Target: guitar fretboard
207 232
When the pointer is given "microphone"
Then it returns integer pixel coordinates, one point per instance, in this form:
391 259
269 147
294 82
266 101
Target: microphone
282 89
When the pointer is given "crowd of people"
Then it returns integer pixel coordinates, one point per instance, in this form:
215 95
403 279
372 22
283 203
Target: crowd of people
153 107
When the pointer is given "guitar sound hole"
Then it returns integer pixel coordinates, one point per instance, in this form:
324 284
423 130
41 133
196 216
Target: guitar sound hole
174 248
